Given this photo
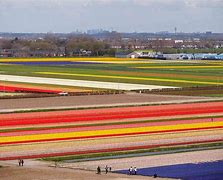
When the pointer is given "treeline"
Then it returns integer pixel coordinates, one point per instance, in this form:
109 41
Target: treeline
192 51
85 45
73 46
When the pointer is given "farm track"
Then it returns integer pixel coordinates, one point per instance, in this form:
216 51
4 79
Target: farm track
10 105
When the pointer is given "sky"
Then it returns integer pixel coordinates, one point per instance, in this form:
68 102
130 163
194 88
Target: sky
120 15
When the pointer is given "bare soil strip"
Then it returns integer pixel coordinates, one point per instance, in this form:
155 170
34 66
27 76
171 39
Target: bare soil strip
10 105
42 171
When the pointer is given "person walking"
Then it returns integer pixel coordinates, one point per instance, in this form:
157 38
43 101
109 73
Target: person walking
135 170
22 162
19 161
130 170
98 170
106 169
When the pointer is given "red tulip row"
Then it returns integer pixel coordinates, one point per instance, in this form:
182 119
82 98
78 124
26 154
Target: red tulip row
109 114
50 130
27 90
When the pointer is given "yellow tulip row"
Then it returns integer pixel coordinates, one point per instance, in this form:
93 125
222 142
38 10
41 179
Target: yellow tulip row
64 59
110 132
179 67
131 78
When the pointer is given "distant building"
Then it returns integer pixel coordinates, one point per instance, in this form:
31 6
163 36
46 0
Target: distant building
197 56
135 54
142 54
208 32
4 53
121 54
178 41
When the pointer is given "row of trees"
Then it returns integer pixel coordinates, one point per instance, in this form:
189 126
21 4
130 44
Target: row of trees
69 47
191 50
84 45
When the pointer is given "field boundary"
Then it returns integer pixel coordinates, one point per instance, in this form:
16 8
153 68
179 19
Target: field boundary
42 95
181 90
63 108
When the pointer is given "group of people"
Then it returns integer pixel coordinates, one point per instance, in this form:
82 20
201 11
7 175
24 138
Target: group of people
21 162
107 169
132 171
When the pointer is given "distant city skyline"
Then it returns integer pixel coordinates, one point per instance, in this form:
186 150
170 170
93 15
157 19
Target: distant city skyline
65 16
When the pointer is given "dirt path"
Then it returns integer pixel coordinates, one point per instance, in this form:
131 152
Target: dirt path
154 161
86 170
92 101
41 171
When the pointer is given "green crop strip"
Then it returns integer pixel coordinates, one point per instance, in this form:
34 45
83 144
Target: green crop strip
134 152
132 78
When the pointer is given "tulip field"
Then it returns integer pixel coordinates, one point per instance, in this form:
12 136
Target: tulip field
109 130
26 89
144 72
18 87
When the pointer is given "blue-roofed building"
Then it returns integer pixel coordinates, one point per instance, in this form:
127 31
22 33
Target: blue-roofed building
198 56
213 56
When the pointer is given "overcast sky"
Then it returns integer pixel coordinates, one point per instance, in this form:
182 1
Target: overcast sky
119 15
